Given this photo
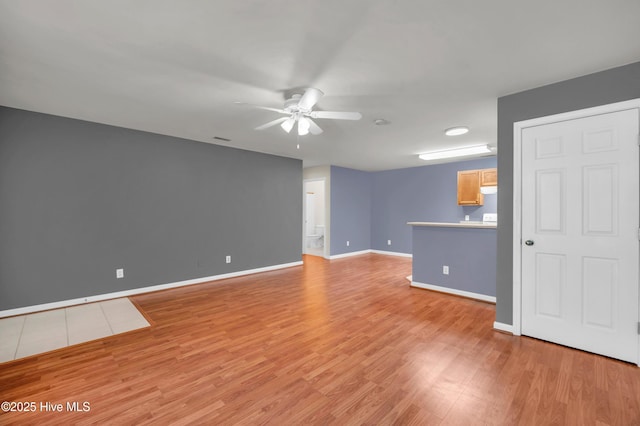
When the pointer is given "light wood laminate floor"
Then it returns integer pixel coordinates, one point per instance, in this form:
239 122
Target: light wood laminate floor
339 342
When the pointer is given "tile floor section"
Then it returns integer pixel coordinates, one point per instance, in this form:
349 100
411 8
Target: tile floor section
31 334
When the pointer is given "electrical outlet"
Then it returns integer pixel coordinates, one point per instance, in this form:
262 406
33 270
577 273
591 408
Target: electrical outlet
228 259
119 273
388 242
347 243
466 217
445 269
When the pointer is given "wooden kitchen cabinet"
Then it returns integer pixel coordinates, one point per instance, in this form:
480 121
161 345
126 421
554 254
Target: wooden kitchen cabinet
469 188
489 177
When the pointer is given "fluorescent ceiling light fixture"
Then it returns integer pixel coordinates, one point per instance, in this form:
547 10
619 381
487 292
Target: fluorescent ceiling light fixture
457 152
489 189
456 131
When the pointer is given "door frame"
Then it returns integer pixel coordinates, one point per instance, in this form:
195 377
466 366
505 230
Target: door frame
304 213
518 128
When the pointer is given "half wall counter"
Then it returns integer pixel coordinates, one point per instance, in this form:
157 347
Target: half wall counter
456 258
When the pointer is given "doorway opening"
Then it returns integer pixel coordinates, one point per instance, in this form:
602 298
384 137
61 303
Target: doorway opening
313 235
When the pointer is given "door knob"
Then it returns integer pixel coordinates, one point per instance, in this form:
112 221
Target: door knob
529 242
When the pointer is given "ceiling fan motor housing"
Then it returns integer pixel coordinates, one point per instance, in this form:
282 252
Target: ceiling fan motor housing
291 105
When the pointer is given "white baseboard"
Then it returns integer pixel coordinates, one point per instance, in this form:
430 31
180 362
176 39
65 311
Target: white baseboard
392 253
507 328
140 290
353 253
468 294
357 253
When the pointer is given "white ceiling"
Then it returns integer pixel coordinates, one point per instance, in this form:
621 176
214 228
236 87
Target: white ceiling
177 67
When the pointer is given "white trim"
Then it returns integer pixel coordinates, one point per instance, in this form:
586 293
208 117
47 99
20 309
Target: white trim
357 253
353 253
392 253
462 224
140 290
468 294
507 328
518 127
517 231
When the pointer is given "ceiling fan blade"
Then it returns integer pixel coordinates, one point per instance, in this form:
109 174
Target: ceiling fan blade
310 98
313 127
288 124
272 123
281 111
336 115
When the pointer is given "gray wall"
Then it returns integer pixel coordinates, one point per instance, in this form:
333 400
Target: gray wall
470 254
80 199
420 194
350 210
614 85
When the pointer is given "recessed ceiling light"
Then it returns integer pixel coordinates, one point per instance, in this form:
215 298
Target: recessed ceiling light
380 122
457 152
456 131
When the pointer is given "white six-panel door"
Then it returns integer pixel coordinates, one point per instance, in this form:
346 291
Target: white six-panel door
579 233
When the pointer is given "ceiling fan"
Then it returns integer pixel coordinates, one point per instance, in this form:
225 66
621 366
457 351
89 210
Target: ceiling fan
299 108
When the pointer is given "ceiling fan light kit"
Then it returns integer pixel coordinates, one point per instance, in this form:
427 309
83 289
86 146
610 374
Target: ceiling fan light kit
456 152
287 125
303 126
299 108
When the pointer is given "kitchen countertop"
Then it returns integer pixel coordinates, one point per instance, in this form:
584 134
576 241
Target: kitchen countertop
466 224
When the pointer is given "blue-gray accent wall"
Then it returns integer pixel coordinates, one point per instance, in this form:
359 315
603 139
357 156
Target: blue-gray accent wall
80 199
370 208
470 254
420 194
350 210
614 85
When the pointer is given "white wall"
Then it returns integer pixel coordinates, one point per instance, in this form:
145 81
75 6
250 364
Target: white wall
317 188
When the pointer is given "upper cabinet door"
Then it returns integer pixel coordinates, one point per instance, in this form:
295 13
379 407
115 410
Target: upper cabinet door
469 188
489 177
